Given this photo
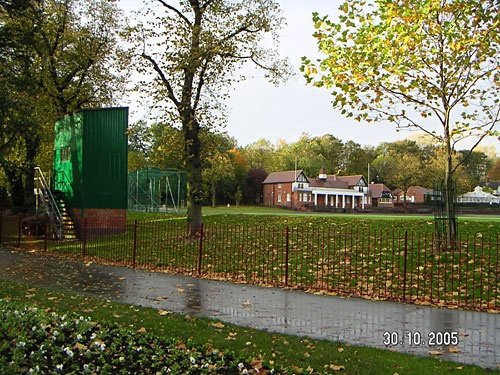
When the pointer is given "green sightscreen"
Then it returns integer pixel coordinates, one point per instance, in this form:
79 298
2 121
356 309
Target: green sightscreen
90 158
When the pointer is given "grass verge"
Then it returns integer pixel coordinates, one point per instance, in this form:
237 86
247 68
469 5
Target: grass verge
292 354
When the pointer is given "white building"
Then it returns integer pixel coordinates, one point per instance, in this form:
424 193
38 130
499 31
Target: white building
478 196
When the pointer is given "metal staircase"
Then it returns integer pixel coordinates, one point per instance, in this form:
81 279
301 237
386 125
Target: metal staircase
53 203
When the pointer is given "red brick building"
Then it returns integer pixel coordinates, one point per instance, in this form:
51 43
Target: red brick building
281 189
293 189
415 194
381 196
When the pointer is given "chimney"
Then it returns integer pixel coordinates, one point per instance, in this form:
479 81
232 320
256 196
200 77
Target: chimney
322 173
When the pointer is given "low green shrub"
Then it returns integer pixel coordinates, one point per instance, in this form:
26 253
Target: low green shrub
35 341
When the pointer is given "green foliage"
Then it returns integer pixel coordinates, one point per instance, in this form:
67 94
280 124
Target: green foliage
53 61
477 164
412 60
36 342
494 172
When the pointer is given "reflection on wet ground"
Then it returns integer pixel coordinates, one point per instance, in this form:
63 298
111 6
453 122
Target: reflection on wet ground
355 321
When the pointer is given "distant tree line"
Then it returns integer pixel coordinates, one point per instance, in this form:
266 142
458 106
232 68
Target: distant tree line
234 174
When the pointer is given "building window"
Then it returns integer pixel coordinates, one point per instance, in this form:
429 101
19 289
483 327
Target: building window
65 153
279 186
279 197
300 197
288 198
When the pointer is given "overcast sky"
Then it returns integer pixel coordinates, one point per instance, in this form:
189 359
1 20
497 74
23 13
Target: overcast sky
257 109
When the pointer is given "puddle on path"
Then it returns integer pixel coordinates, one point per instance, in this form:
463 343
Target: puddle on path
355 321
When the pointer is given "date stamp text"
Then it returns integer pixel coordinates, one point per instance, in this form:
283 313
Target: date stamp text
416 338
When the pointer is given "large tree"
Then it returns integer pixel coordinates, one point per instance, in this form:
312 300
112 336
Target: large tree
57 57
194 48
75 45
426 64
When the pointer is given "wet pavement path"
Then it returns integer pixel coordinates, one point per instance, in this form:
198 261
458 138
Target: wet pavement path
352 320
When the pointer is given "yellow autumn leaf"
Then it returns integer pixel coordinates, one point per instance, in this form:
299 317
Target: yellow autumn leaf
80 347
218 325
256 364
336 367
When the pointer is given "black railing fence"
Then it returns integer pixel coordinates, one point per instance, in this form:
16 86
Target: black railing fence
377 264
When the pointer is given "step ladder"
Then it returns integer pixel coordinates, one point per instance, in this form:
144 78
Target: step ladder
53 204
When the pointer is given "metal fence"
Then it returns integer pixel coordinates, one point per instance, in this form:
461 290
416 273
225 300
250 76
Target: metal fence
377 264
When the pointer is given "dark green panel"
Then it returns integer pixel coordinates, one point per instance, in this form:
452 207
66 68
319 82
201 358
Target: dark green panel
105 158
90 158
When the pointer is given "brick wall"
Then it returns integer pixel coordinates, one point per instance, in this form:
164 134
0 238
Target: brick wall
100 219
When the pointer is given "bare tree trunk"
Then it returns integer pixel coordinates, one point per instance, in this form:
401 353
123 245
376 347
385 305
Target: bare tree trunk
451 229
32 147
214 192
194 179
15 180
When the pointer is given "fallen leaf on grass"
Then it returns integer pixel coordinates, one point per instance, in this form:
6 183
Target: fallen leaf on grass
141 330
181 346
218 325
336 367
80 347
164 312
256 364
340 350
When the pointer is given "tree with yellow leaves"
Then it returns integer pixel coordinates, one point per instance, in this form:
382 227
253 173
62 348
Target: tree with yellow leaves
431 65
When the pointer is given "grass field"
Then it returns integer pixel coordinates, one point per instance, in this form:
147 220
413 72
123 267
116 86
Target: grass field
382 256
269 215
200 336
